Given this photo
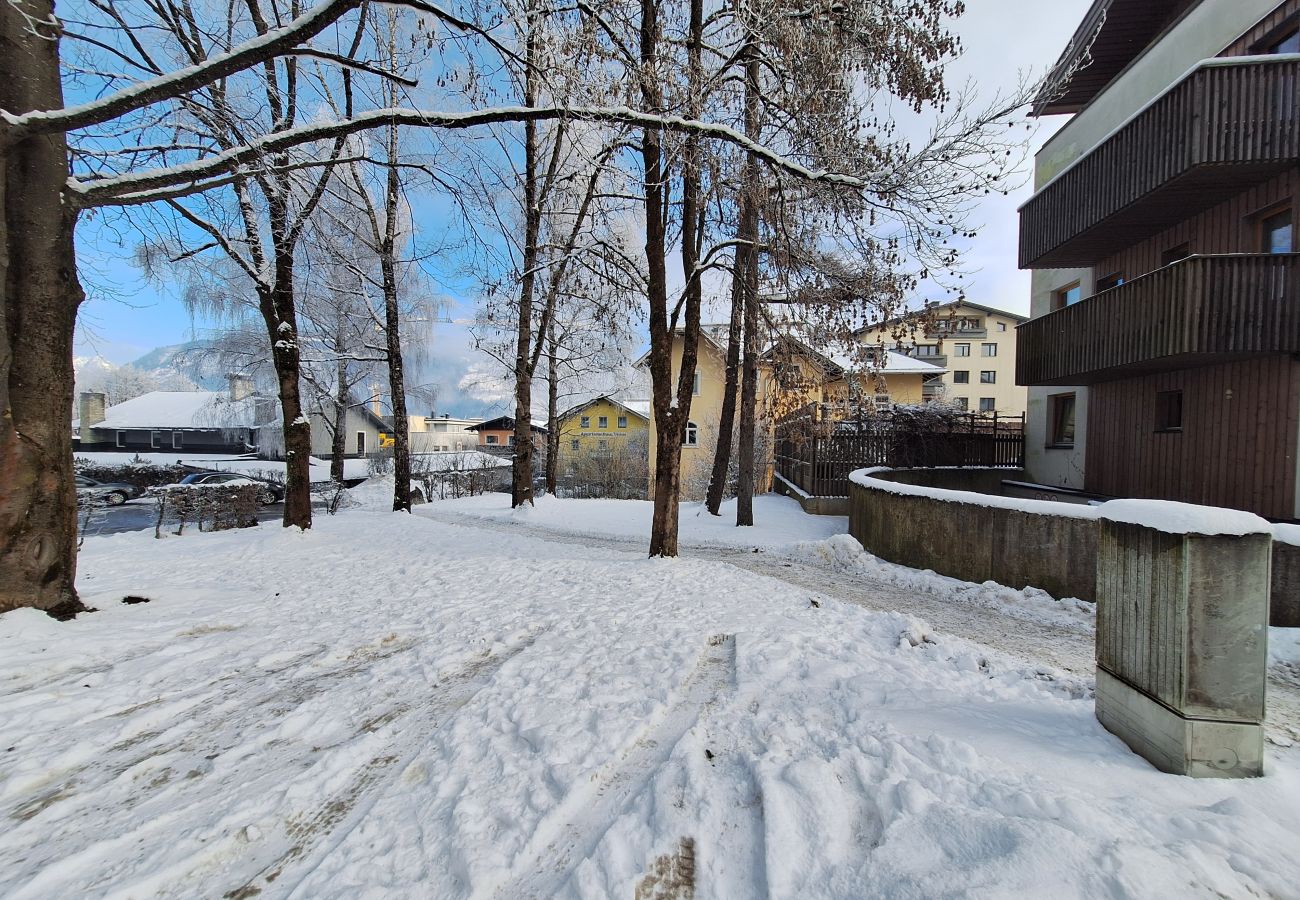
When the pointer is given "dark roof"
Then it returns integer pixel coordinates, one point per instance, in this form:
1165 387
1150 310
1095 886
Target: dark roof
1113 34
501 423
990 310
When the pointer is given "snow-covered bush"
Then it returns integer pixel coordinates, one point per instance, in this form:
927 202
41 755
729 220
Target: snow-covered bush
142 475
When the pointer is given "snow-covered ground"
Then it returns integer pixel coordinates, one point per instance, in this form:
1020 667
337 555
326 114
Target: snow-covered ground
778 521
391 706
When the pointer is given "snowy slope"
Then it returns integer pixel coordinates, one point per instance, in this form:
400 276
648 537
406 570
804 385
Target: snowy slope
392 707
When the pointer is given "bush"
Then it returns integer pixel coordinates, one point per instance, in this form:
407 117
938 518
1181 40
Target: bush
214 508
142 475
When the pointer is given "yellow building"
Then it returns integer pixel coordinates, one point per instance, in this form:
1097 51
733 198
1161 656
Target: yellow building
975 344
604 447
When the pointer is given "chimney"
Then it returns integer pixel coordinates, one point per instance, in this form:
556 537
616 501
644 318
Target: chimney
241 386
376 401
91 412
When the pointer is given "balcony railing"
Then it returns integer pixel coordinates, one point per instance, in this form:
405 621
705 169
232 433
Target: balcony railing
940 360
1202 309
1230 123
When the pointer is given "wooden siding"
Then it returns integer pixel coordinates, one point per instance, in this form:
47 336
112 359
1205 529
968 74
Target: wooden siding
1178 316
1229 227
1237 447
1274 22
1220 130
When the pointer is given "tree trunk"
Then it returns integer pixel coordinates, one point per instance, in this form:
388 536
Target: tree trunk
38 500
393 333
522 484
748 400
552 410
731 383
338 437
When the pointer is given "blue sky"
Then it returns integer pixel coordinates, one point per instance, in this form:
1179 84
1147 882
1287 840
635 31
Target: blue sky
125 316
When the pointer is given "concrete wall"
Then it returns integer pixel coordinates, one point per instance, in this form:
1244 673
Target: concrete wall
980 543
971 541
1203 33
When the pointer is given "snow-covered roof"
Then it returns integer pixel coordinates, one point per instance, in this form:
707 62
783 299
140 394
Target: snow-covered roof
184 409
640 408
839 358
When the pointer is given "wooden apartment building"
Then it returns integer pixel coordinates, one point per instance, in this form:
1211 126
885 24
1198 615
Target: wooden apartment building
1162 350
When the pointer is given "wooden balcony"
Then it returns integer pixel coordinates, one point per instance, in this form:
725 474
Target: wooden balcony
1204 309
1229 124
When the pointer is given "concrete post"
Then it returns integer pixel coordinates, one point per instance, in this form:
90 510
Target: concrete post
1182 636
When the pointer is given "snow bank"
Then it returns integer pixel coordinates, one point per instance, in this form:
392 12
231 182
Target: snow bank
391 707
864 478
1183 518
843 553
778 521
1287 534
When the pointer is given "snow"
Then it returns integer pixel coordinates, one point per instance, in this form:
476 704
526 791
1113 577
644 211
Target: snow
1183 518
388 706
216 462
1019 504
778 521
181 409
1287 534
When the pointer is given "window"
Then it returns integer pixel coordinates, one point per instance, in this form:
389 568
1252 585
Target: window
1066 296
696 388
491 438
154 440
602 444
1113 280
988 349
882 401
510 441
622 421
574 445
926 350
961 376
692 435
961 402
361 443
1002 326
988 377
121 438
1169 410
1060 425
1288 44
585 422
602 422
176 440
988 404
1275 232
961 349
1174 254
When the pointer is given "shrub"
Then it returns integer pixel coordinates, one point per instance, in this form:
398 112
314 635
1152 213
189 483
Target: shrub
214 508
142 475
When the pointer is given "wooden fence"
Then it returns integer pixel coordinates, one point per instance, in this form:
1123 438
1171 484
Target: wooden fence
818 445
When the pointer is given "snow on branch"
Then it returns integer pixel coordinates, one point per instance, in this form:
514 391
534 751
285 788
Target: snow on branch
196 175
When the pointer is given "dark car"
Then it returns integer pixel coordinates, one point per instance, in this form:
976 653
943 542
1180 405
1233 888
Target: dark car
114 493
270 493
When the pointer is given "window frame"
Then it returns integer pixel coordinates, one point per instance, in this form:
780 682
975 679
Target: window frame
1060 296
961 376
691 436
962 403
575 444
695 386
491 439
988 351
962 350
1264 216
178 441
121 439
361 443
1113 280
1169 412
1055 434
584 422
622 421
602 422
1175 254
988 404
988 376
155 440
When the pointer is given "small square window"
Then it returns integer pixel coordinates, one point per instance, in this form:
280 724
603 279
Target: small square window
585 422
622 421
1276 233
155 440
121 438
1002 326
602 422
1061 420
574 444
961 376
176 440
988 377
988 349
1066 296
692 437
961 349
1175 254
491 438
1113 280
602 444
988 404
1169 411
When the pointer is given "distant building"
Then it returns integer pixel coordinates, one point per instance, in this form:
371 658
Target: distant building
433 434
975 345
498 435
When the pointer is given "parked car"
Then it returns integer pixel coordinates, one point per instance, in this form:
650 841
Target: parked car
270 493
114 493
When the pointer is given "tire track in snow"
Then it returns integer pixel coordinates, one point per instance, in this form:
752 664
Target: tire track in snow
572 832
307 838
